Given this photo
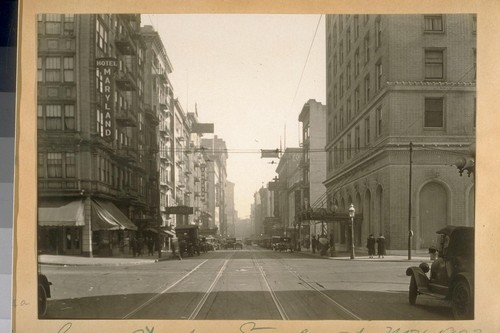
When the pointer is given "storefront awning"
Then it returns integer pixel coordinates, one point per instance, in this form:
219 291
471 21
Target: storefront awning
163 231
109 217
61 214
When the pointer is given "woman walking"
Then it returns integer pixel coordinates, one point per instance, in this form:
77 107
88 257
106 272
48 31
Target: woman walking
370 244
381 245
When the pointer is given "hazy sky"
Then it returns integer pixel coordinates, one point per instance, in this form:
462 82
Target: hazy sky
243 72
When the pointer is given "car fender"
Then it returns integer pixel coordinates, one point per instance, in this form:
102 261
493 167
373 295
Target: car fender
420 277
42 279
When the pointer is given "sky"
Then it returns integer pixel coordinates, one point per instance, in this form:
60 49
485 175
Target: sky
247 74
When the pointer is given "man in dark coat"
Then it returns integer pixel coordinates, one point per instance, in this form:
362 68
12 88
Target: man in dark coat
381 245
370 244
314 243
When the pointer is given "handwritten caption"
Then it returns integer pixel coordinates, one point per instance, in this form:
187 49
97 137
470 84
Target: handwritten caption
251 326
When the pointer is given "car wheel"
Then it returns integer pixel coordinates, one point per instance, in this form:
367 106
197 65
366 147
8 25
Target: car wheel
42 301
412 294
462 303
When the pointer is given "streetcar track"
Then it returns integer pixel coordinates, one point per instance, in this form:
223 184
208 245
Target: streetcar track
152 299
290 270
203 300
277 303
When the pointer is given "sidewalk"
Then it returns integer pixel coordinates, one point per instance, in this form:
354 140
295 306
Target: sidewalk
64 260
360 255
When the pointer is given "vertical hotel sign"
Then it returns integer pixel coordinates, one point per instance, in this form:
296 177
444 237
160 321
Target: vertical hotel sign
106 68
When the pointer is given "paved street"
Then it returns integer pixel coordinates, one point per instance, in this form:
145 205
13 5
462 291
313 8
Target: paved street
247 284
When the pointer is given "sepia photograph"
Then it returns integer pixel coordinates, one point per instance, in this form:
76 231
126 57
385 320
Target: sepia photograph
201 168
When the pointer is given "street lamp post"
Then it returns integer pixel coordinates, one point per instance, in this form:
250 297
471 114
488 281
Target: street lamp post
352 212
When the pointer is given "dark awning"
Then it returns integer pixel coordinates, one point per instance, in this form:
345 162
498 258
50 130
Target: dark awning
109 217
62 214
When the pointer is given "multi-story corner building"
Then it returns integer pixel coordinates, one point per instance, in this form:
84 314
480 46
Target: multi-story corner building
216 175
313 164
288 190
401 91
230 211
95 184
158 98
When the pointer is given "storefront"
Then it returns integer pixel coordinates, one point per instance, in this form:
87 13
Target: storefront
112 230
60 224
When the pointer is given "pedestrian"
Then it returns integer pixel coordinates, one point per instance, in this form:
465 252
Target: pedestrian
151 244
140 246
133 245
370 244
332 245
381 245
314 244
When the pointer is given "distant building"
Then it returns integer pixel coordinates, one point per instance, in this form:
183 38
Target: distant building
216 175
231 213
392 80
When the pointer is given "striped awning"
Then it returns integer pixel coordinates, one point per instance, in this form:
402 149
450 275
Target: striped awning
109 217
61 214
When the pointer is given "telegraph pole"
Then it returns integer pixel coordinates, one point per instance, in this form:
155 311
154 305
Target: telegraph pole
410 233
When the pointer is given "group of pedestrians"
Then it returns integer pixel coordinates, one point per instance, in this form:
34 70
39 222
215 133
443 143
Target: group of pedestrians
140 244
370 244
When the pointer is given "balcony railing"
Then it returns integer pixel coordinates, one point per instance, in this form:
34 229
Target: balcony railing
125 81
125 45
126 118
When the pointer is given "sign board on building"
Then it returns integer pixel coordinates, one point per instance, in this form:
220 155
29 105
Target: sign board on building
202 128
269 153
106 68
181 210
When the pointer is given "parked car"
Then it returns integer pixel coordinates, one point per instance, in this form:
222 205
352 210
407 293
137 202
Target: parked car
188 240
451 275
285 244
43 294
238 244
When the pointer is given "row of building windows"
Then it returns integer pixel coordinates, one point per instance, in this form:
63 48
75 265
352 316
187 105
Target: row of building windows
431 24
56 24
56 69
56 117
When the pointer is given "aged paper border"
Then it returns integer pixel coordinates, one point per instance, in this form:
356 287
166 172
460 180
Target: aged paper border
487 193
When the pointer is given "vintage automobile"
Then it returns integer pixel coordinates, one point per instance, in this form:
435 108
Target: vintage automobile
451 274
230 243
43 294
238 244
188 240
275 241
285 244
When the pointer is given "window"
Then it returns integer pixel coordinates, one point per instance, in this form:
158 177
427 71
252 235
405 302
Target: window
335 126
367 88
474 23
70 165
68 69
100 122
341 53
41 165
69 117
433 112
341 115
367 48
348 41
367 131
356 100
330 161
357 140
53 115
349 115
349 146
378 33
356 63
52 69
434 67
335 64
40 117
330 131
39 65
102 36
379 73
341 23
341 85
53 24
341 152
475 62
54 165
69 20
378 119
433 23
356 26
348 75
